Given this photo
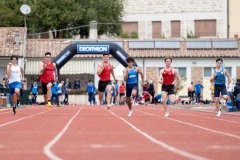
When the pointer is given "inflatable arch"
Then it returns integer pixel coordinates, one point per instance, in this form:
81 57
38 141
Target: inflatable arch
90 48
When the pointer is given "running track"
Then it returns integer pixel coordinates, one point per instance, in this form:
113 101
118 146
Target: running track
87 133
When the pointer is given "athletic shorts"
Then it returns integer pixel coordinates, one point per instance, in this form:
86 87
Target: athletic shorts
14 85
130 87
122 94
103 84
168 88
44 87
220 88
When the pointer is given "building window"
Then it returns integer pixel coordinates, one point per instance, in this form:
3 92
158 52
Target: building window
156 29
182 71
175 29
130 27
208 71
205 28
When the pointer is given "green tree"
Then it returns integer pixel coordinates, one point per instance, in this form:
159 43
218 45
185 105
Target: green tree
63 14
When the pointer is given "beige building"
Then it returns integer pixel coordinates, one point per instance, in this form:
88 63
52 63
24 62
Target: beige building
234 22
175 18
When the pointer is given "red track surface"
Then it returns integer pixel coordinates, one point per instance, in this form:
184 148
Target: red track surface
87 133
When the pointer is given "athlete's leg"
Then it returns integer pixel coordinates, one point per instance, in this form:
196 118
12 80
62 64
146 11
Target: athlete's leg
164 101
109 94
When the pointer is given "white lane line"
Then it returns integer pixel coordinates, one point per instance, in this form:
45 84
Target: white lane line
47 147
4 124
225 120
162 144
193 125
9 110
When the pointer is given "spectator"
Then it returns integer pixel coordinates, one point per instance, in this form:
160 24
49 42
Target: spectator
236 93
198 89
191 93
3 83
66 89
122 94
229 91
145 86
151 90
55 90
34 92
90 92
158 99
60 93
76 84
212 92
116 99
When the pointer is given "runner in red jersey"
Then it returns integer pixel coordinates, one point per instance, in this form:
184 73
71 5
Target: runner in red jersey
104 70
167 77
47 70
122 93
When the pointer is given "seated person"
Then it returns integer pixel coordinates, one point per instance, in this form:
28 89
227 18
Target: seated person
158 99
147 98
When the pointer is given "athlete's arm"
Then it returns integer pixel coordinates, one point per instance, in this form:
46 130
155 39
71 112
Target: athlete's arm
112 72
22 72
229 77
42 68
212 77
8 71
161 77
100 68
56 72
178 78
141 73
125 74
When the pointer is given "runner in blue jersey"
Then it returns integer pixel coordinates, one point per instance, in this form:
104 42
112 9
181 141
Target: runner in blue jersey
219 78
130 76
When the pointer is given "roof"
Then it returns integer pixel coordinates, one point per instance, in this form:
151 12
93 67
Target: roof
11 42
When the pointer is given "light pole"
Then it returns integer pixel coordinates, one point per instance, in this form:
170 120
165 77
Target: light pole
25 9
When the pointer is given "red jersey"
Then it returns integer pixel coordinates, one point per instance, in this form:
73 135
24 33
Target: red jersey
47 75
122 89
105 75
168 77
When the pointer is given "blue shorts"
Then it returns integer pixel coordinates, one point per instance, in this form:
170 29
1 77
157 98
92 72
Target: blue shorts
130 87
14 85
220 88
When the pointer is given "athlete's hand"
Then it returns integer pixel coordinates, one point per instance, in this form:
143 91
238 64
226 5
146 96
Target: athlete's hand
10 64
160 81
178 88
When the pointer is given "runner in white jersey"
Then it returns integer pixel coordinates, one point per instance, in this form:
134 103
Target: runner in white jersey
15 75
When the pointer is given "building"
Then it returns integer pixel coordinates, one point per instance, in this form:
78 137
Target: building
176 18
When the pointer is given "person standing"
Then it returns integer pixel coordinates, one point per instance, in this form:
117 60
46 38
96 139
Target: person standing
104 70
67 88
130 76
151 90
47 70
122 94
218 76
34 92
15 75
90 92
198 90
191 92
167 77
76 84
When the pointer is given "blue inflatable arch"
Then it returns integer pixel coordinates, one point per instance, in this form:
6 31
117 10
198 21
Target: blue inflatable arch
90 48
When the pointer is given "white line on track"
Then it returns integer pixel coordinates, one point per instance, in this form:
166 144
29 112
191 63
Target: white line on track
162 144
9 110
193 125
47 147
4 124
200 116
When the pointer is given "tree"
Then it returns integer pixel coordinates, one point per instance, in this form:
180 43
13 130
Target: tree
63 14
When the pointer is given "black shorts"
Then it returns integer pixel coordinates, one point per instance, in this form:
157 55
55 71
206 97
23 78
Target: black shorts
122 94
103 84
168 88
220 88
44 87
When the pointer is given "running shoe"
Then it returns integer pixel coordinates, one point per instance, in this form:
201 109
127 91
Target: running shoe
18 103
48 105
166 115
14 110
219 114
130 113
108 106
